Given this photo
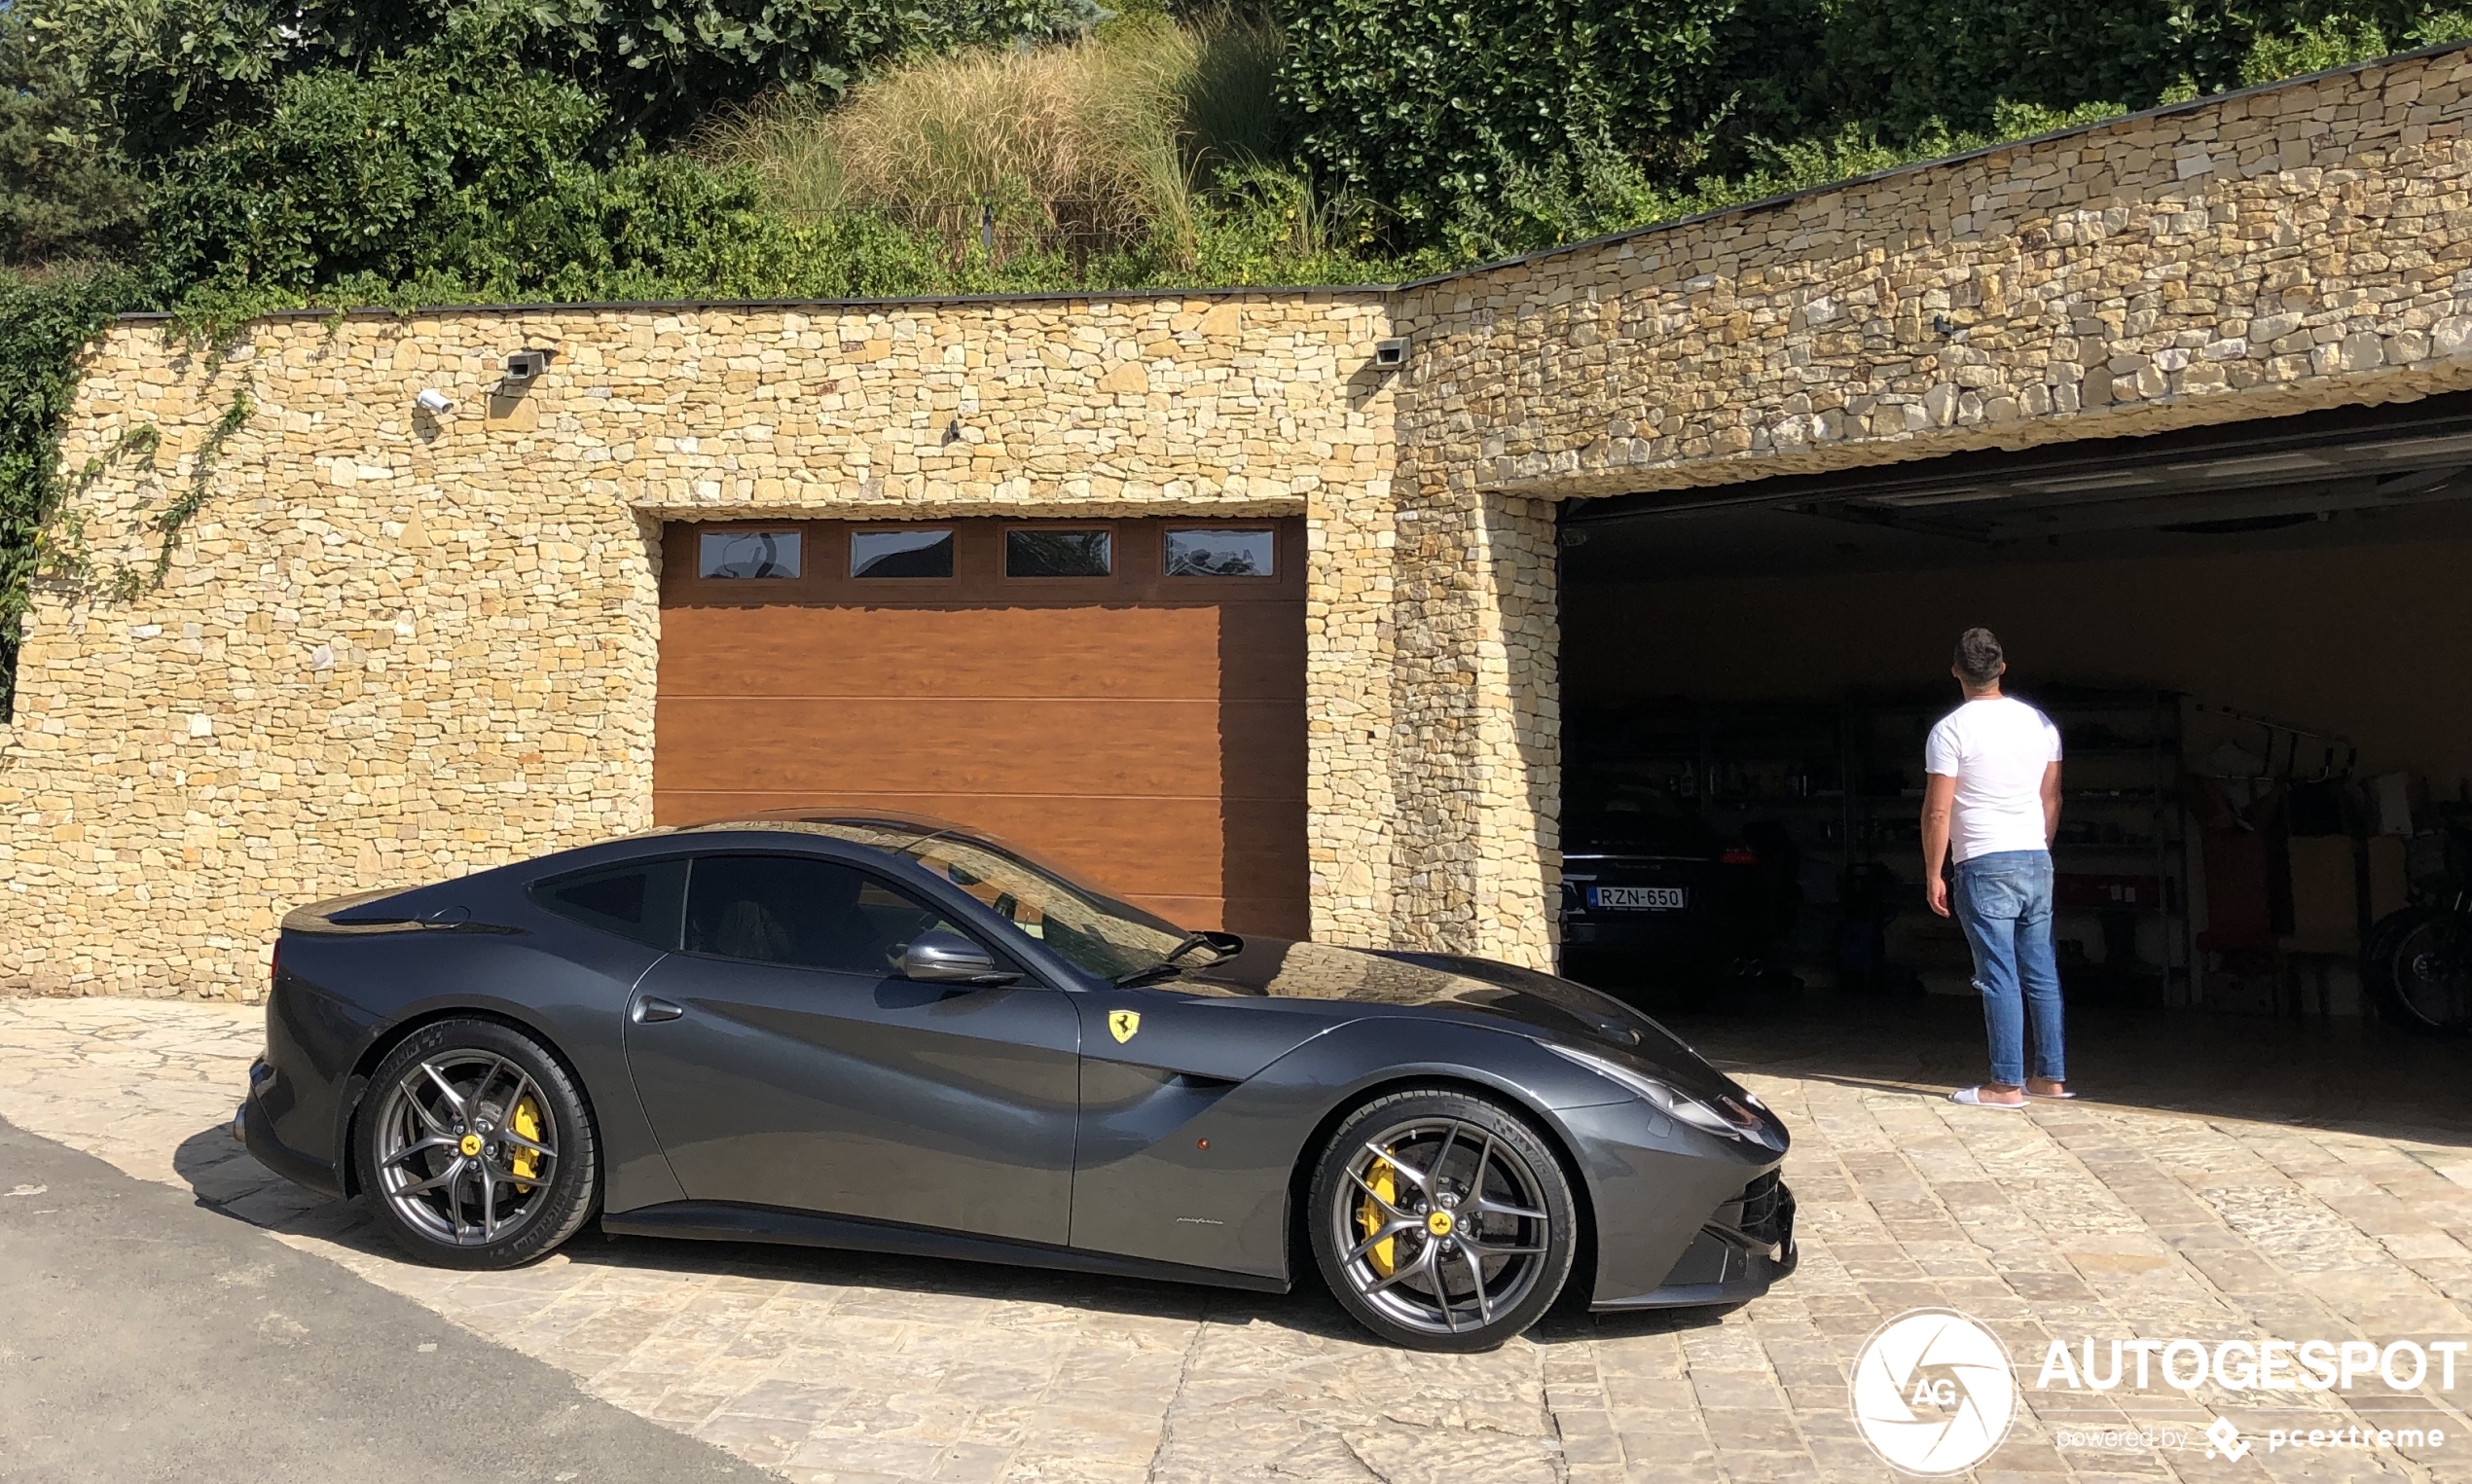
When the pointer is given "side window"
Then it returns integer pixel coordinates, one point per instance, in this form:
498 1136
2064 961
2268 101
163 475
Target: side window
926 552
801 912
1222 553
728 554
638 901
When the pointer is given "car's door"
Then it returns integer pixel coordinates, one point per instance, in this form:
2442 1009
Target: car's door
786 1062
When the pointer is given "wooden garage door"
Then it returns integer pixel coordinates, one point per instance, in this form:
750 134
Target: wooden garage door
1144 728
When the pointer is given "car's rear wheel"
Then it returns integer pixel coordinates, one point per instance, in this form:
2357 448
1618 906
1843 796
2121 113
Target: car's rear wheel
476 1147
1442 1220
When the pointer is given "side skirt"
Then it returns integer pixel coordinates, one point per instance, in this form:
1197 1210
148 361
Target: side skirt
733 1221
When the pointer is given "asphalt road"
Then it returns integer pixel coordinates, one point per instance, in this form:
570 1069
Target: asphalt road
143 1337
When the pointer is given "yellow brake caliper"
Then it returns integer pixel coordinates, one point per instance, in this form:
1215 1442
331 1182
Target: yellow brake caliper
1370 1216
526 1121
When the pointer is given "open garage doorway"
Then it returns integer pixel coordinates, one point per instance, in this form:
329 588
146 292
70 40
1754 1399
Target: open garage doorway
2253 638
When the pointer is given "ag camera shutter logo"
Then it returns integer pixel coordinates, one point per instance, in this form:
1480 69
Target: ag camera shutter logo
1934 1392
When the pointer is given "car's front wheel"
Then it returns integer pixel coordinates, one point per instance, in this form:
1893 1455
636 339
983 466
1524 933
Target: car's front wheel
1442 1220
475 1146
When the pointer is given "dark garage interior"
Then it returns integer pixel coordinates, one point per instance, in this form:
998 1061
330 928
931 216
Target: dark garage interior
2253 638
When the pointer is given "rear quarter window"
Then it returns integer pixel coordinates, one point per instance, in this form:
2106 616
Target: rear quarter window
642 901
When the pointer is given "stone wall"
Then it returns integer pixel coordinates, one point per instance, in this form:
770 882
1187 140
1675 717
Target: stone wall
394 646
2288 248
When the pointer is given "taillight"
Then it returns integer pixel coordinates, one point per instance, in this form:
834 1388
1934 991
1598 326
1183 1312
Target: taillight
1740 855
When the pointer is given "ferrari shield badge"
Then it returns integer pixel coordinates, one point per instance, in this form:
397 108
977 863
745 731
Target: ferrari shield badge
1122 1023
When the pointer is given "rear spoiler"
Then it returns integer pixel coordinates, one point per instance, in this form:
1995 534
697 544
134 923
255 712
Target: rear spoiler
386 907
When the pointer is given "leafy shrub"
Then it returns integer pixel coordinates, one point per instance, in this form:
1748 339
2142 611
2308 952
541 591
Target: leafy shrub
168 70
1904 68
1500 125
2338 41
1490 112
1265 224
449 178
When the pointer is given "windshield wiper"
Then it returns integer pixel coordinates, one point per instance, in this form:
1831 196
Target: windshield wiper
1223 945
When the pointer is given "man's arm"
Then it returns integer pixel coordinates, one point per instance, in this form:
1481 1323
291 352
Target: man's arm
2051 803
1940 797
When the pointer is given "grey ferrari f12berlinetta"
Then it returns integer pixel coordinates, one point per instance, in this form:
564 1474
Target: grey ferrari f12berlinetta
868 1031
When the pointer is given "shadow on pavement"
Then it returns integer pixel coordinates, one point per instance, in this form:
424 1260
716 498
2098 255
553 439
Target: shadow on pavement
226 1181
2348 1072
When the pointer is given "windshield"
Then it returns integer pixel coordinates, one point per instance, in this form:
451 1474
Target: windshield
1637 825
1090 930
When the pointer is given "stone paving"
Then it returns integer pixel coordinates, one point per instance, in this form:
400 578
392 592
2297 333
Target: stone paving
2072 1221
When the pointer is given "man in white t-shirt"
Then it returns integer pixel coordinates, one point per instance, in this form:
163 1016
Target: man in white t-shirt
1993 800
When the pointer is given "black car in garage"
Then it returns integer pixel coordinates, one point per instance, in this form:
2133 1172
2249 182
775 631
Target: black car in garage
1652 896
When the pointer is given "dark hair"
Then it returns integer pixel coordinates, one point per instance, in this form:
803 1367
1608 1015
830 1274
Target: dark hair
1978 656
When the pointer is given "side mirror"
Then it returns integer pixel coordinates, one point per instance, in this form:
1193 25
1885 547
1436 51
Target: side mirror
948 957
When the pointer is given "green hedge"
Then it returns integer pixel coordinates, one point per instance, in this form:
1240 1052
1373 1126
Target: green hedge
1478 115
165 71
1494 126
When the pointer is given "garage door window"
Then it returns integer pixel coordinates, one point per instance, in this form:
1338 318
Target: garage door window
734 554
915 553
1058 554
1221 553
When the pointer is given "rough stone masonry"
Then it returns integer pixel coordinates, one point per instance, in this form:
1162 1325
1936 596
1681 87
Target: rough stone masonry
392 647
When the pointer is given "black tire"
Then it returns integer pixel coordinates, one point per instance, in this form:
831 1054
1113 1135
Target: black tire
461 1116
1423 1286
2378 959
2424 965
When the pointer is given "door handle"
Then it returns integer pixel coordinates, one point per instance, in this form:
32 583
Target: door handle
649 1009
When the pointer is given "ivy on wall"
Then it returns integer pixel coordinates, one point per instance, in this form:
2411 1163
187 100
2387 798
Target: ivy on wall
44 331
176 515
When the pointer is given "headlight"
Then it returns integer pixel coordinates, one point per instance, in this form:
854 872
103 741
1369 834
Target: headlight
1725 1117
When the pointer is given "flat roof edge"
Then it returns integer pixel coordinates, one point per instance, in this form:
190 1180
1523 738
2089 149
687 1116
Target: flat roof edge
675 306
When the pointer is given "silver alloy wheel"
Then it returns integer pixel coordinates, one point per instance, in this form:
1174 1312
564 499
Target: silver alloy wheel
455 1129
1440 1225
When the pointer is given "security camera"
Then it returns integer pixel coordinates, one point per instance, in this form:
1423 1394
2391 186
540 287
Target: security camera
433 401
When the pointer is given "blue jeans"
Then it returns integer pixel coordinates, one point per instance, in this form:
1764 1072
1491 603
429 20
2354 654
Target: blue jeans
2004 902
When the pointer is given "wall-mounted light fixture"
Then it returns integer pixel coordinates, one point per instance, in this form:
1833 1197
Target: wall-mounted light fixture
434 402
522 368
1391 354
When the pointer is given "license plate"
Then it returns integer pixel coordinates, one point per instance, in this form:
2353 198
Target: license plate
1640 898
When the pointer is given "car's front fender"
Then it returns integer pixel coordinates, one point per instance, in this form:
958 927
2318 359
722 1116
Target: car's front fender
1212 1191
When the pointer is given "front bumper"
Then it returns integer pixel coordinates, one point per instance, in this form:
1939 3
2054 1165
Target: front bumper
1673 931
1742 1248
